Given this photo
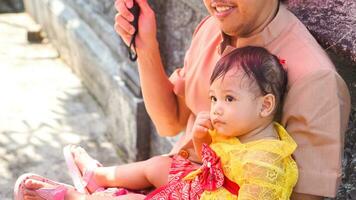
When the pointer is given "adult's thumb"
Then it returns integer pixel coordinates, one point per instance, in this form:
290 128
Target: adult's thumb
144 6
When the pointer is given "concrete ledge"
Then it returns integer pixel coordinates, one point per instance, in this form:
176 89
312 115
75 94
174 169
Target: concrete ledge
94 62
10 6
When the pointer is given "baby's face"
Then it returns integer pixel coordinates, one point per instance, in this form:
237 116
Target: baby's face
235 104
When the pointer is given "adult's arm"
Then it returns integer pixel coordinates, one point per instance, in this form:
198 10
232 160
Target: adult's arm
316 113
167 111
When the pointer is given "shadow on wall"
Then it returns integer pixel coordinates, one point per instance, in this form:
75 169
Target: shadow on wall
10 6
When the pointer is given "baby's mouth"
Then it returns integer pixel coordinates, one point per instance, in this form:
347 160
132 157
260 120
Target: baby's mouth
217 121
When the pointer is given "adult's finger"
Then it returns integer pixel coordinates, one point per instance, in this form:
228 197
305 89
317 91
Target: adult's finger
129 3
123 34
123 10
124 24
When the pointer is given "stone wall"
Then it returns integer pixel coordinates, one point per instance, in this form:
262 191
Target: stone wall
7 6
83 32
333 23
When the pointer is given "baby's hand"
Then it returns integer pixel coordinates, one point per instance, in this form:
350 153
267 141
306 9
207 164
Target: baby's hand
201 125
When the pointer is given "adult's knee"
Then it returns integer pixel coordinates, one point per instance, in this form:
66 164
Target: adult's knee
299 196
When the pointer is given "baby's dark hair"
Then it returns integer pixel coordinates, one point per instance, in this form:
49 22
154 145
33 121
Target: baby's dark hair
259 65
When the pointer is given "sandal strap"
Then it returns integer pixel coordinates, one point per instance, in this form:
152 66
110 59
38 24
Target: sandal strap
87 178
82 179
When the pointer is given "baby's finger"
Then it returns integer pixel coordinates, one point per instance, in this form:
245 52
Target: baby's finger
203 116
206 114
200 131
208 124
205 123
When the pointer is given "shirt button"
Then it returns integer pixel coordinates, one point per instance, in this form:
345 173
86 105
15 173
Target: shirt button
183 153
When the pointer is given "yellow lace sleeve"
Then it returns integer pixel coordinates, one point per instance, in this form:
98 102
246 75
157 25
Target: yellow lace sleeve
266 175
264 169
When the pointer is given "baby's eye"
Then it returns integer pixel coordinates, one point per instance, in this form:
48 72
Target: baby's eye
229 98
213 98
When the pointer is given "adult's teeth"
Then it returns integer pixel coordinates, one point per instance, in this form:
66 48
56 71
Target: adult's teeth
222 8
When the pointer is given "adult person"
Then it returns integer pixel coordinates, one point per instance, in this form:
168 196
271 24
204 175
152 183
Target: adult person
316 107
317 104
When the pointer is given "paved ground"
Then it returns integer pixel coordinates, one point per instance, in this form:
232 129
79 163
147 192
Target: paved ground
43 107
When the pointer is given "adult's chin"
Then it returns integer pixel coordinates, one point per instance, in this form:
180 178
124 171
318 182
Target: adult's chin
229 31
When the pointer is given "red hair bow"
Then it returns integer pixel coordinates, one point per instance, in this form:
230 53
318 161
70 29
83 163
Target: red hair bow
282 61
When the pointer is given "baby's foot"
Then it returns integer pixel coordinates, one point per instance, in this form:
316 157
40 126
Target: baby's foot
87 166
82 159
34 190
30 187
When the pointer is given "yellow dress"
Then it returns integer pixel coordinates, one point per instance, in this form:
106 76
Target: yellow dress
263 169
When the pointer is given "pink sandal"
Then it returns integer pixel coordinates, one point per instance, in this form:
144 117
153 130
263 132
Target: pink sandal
82 181
56 193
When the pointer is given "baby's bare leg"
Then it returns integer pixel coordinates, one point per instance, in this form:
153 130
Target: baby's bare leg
137 175
109 196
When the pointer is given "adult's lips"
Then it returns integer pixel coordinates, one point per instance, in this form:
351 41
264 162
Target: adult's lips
222 9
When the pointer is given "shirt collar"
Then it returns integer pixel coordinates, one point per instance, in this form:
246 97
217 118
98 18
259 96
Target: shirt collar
267 35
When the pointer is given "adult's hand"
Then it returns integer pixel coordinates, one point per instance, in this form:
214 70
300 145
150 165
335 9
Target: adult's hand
146 36
168 112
